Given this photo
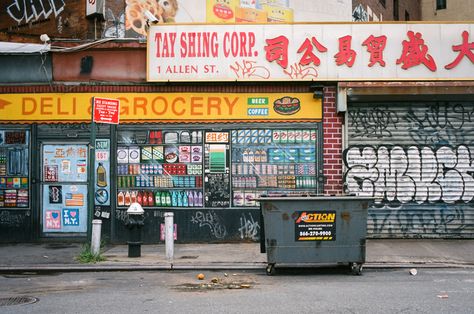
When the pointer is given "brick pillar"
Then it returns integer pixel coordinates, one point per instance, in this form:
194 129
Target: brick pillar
332 147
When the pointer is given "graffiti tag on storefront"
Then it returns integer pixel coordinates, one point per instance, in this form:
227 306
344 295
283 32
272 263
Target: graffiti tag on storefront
413 174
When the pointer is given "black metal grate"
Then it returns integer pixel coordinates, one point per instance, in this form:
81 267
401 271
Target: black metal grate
18 300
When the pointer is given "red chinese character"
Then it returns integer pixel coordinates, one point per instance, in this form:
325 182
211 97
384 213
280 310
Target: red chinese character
415 52
375 46
346 54
277 49
464 50
308 56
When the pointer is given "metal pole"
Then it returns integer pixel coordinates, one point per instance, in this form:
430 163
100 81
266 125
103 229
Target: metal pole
169 235
96 230
91 182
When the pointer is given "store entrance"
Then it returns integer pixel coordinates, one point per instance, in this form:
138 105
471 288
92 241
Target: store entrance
63 189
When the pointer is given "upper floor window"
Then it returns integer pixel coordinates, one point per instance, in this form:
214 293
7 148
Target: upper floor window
440 4
395 10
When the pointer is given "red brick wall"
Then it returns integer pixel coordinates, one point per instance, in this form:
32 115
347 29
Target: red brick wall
332 137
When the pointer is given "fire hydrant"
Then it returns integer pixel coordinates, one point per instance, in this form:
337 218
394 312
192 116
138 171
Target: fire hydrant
135 222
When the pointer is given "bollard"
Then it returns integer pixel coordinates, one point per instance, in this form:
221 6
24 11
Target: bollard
95 239
169 235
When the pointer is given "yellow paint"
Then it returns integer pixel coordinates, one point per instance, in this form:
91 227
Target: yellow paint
167 107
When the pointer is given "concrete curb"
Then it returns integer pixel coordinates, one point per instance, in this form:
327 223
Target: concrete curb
110 268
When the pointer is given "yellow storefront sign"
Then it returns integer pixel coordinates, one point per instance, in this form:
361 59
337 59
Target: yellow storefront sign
163 107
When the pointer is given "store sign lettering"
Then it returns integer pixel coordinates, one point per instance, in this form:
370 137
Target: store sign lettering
203 107
311 51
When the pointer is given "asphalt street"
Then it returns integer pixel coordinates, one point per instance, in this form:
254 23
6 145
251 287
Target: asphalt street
294 290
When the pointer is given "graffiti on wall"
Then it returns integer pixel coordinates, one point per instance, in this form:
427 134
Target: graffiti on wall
417 161
413 174
373 123
32 10
212 221
249 228
447 220
441 124
436 124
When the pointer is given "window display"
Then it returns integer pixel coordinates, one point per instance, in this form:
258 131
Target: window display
272 161
160 168
14 169
214 168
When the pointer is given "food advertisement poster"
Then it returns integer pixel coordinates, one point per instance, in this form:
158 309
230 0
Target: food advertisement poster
141 14
64 208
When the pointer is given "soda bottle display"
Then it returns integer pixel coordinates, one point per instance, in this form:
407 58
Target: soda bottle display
157 198
174 199
185 199
140 198
190 198
121 199
163 199
150 198
168 199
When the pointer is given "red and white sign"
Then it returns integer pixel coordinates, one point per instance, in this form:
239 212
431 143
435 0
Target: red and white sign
299 52
106 110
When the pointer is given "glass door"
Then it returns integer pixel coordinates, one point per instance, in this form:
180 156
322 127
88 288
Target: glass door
64 188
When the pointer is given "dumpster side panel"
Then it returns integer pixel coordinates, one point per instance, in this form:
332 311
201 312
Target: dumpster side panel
315 231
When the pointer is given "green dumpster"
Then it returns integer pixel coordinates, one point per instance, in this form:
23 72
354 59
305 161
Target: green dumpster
300 231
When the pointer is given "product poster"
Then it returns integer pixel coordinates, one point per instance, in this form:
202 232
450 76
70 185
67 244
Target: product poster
102 172
64 208
64 163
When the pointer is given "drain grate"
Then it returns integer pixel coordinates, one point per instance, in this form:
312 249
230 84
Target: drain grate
17 301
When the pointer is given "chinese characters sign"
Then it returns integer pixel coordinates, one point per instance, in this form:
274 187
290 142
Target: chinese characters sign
311 52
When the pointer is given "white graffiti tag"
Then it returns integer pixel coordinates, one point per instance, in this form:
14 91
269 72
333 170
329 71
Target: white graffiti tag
413 174
248 227
211 220
33 10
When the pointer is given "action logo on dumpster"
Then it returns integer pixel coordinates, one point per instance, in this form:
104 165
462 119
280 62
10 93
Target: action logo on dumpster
315 226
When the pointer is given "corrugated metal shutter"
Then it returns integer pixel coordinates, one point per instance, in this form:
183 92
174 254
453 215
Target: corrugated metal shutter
418 158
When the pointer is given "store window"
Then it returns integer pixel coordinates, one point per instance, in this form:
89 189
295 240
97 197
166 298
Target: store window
158 168
215 168
14 168
272 161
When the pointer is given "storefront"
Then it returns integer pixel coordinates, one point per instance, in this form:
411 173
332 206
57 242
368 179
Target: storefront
204 156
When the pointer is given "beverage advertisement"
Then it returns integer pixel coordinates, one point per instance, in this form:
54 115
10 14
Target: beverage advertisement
102 172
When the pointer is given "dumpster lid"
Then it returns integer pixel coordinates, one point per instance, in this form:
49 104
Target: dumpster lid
292 197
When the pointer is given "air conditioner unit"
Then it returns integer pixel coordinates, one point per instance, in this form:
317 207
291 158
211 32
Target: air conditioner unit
95 8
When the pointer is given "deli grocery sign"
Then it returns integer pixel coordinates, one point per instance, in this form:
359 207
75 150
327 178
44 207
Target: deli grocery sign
338 52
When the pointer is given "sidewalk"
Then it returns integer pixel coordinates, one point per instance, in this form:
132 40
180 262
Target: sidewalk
379 254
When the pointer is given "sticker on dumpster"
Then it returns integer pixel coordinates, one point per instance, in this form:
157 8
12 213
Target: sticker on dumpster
315 226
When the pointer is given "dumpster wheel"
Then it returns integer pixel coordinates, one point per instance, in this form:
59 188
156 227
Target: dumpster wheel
356 269
270 269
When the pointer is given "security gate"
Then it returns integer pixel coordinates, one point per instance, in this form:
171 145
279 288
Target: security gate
416 158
